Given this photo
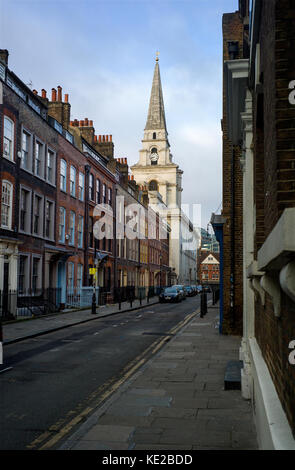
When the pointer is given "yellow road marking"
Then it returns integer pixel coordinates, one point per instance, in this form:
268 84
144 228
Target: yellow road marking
61 429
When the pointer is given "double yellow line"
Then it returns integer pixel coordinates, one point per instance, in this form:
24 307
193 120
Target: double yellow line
61 428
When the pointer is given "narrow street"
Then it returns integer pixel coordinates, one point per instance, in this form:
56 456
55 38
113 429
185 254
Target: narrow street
58 379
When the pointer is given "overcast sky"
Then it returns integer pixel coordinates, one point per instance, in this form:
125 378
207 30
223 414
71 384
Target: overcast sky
102 53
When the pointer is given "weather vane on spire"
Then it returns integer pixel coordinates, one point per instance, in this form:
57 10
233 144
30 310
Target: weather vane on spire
157 55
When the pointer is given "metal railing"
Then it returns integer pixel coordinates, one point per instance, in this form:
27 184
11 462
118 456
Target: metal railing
29 303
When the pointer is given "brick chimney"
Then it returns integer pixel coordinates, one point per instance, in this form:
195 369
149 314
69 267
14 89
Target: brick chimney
83 128
105 145
57 108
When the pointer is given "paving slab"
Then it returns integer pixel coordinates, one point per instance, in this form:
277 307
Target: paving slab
177 400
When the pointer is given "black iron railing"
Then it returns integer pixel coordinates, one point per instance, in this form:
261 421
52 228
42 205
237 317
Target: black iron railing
29 303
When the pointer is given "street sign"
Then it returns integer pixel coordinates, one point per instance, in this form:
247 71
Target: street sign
92 271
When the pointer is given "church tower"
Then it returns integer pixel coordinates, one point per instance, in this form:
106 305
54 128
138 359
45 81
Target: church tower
163 178
155 167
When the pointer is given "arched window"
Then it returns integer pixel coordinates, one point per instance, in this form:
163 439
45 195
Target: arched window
6 204
153 186
154 135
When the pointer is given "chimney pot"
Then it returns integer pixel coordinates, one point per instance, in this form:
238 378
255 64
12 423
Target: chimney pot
35 92
125 160
66 98
132 177
107 138
103 138
81 123
86 121
111 138
91 123
43 93
99 138
53 94
95 138
59 97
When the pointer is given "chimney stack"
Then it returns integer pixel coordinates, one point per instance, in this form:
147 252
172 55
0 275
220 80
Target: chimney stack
59 95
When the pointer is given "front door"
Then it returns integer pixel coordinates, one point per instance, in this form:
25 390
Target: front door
61 281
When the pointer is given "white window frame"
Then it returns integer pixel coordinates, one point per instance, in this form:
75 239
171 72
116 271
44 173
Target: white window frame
39 144
29 150
7 226
52 216
39 274
79 275
72 221
72 266
62 240
39 233
28 210
49 151
73 181
81 186
80 237
9 156
26 273
63 175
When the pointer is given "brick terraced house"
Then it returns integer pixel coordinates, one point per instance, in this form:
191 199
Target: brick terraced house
59 184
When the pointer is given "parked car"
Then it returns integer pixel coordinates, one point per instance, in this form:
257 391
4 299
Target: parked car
189 291
181 288
170 294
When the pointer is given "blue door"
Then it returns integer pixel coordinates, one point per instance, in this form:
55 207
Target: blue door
61 280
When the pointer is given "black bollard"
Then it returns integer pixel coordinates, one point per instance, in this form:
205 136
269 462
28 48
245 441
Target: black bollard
93 306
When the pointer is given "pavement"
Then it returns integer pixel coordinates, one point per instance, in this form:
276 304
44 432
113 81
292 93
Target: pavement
175 401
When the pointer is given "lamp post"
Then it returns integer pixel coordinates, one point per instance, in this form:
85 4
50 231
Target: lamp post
94 280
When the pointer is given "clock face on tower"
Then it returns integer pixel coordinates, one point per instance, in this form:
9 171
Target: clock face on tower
154 156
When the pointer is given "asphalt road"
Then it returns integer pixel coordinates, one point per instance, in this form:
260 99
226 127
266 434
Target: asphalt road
59 379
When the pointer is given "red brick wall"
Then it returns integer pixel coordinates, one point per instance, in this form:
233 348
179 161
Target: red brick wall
233 30
274 156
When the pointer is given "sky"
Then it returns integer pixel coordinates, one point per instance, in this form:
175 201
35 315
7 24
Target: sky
102 53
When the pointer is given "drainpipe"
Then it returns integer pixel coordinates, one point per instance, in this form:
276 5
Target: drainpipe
86 226
232 270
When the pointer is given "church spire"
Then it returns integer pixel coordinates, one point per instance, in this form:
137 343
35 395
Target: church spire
156 114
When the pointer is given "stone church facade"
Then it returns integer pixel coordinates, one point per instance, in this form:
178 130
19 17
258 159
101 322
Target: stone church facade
163 179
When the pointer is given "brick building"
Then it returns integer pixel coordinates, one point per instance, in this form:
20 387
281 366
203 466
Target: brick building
235 28
208 267
59 182
261 118
28 191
